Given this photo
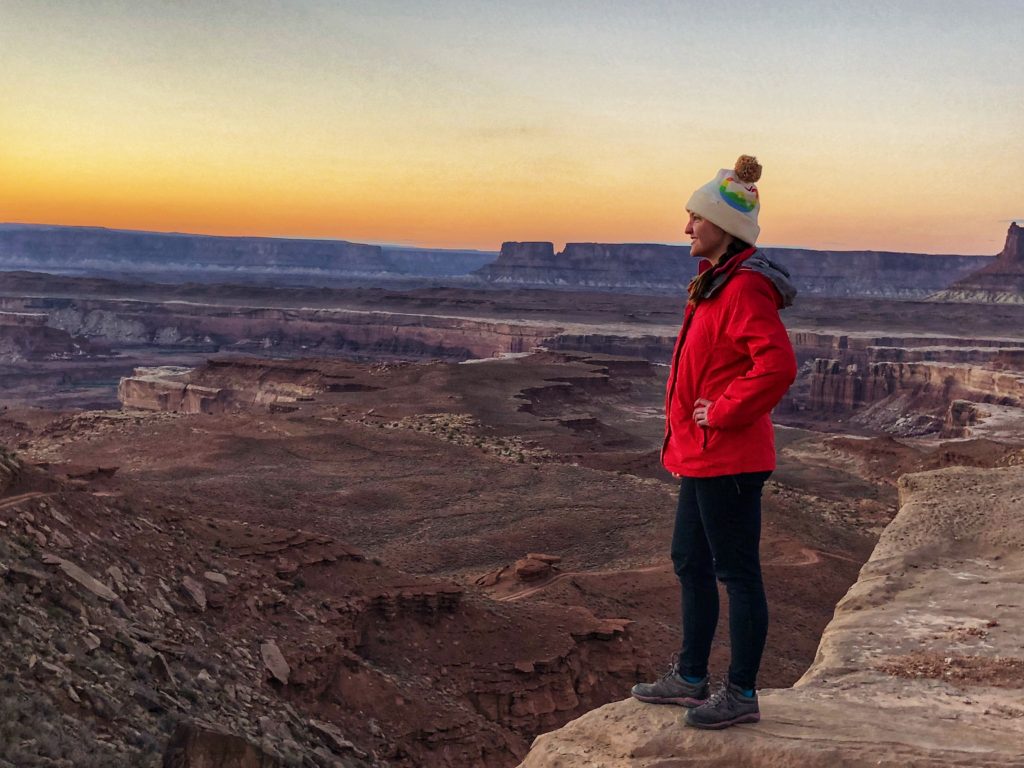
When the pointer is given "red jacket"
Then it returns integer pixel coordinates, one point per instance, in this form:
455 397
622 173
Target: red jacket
733 350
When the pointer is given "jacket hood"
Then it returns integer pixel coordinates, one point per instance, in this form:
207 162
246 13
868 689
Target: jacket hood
775 272
755 261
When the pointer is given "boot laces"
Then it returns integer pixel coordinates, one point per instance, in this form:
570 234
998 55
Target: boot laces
718 696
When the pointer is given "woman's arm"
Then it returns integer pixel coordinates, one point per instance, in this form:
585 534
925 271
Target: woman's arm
753 323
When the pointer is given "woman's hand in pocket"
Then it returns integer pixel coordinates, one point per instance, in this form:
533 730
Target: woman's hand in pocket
700 411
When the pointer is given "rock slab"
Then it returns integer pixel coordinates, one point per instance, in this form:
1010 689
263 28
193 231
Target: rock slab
919 667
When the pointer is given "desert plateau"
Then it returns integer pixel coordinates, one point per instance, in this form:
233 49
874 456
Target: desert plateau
511 385
419 519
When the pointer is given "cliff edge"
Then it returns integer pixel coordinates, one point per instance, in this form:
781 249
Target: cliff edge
922 664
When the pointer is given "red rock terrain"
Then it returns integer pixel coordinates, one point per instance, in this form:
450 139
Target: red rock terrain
140 623
446 473
897 356
513 510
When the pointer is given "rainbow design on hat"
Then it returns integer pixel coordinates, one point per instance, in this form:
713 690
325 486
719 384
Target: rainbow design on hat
740 196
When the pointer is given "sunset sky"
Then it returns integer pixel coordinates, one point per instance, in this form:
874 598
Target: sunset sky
880 125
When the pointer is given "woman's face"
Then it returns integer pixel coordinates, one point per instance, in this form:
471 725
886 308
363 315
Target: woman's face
707 240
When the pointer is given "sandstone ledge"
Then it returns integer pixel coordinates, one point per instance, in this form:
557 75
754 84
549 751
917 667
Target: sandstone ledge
922 665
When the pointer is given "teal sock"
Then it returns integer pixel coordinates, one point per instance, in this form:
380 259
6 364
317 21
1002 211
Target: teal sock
692 680
748 692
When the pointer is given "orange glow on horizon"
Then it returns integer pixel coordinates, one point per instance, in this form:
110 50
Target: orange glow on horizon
466 129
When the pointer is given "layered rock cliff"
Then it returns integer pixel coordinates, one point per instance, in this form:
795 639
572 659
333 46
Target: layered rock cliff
229 383
283 330
921 665
664 268
1001 281
25 336
902 384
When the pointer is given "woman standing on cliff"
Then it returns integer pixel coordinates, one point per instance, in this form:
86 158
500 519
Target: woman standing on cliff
732 363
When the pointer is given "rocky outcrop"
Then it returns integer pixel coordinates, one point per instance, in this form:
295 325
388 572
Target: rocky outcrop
996 422
1001 281
25 336
168 389
873 274
646 267
835 388
921 665
130 633
182 257
222 384
197 745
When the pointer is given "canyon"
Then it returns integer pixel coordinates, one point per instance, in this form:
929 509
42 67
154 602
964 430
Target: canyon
356 524
367 521
875 364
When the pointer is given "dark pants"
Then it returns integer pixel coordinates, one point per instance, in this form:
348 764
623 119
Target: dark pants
717 534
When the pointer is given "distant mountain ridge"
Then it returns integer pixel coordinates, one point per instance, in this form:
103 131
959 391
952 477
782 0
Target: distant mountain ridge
667 268
96 251
620 267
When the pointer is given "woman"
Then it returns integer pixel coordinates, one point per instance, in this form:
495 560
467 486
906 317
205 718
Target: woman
732 363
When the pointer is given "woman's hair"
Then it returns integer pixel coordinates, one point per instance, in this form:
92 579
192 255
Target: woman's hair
699 285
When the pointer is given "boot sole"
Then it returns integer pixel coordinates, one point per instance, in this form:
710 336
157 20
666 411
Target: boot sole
679 702
754 717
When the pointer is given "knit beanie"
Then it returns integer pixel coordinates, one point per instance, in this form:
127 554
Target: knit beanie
730 200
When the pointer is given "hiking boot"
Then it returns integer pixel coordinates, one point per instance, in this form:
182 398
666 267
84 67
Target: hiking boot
727 706
672 689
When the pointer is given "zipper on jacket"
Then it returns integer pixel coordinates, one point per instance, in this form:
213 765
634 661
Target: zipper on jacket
688 313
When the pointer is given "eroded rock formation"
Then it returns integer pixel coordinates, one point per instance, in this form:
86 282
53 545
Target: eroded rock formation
1001 281
914 378
10 469
640 266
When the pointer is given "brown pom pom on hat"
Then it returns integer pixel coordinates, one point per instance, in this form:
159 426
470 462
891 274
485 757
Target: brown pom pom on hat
747 169
730 200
